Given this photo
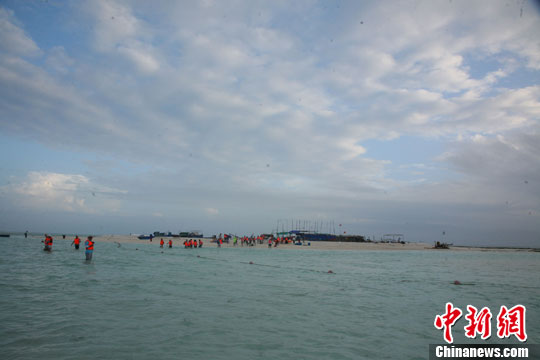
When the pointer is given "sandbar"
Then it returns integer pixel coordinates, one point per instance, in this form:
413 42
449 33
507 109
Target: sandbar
314 245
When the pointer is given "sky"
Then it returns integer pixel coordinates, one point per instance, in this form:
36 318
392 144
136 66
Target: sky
362 117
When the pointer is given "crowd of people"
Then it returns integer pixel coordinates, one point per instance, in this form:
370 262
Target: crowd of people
251 240
193 244
88 244
188 244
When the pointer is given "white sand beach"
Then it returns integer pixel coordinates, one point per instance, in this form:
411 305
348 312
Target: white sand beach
315 245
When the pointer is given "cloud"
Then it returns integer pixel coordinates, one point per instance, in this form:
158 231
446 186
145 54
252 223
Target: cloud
115 24
144 61
65 192
238 80
511 159
211 211
59 61
275 101
119 32
13 39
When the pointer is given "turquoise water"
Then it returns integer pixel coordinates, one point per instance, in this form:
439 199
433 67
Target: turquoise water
170 304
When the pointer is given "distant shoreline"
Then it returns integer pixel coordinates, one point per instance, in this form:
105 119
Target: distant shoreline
315 245
495 247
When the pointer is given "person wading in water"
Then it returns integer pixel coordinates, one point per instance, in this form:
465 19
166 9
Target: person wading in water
89 244
48 243
76 242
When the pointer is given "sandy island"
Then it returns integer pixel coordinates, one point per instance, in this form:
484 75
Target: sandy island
315 245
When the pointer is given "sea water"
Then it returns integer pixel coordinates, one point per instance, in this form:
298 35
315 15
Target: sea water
138 301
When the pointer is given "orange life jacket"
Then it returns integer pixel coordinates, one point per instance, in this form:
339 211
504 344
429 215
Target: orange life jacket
77 241
89 245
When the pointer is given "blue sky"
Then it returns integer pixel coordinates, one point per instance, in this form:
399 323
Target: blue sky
412 117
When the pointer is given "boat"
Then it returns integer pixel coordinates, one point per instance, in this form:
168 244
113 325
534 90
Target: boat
190 234
145 237
441 245
312 236
167 234
4 235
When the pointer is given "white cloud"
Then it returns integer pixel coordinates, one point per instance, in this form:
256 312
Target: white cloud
119 32
59 61
115 24
66 192
352 148
144 61
211 211
13 39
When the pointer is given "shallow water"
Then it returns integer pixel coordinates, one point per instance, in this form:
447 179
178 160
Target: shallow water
169 303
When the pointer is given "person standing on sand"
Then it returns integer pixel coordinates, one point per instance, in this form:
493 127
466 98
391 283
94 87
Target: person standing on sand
76 242
89 244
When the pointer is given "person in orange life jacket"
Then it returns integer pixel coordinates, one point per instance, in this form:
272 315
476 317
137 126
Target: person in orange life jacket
89 244
48 243
170 243
200 243
161 243
76 242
